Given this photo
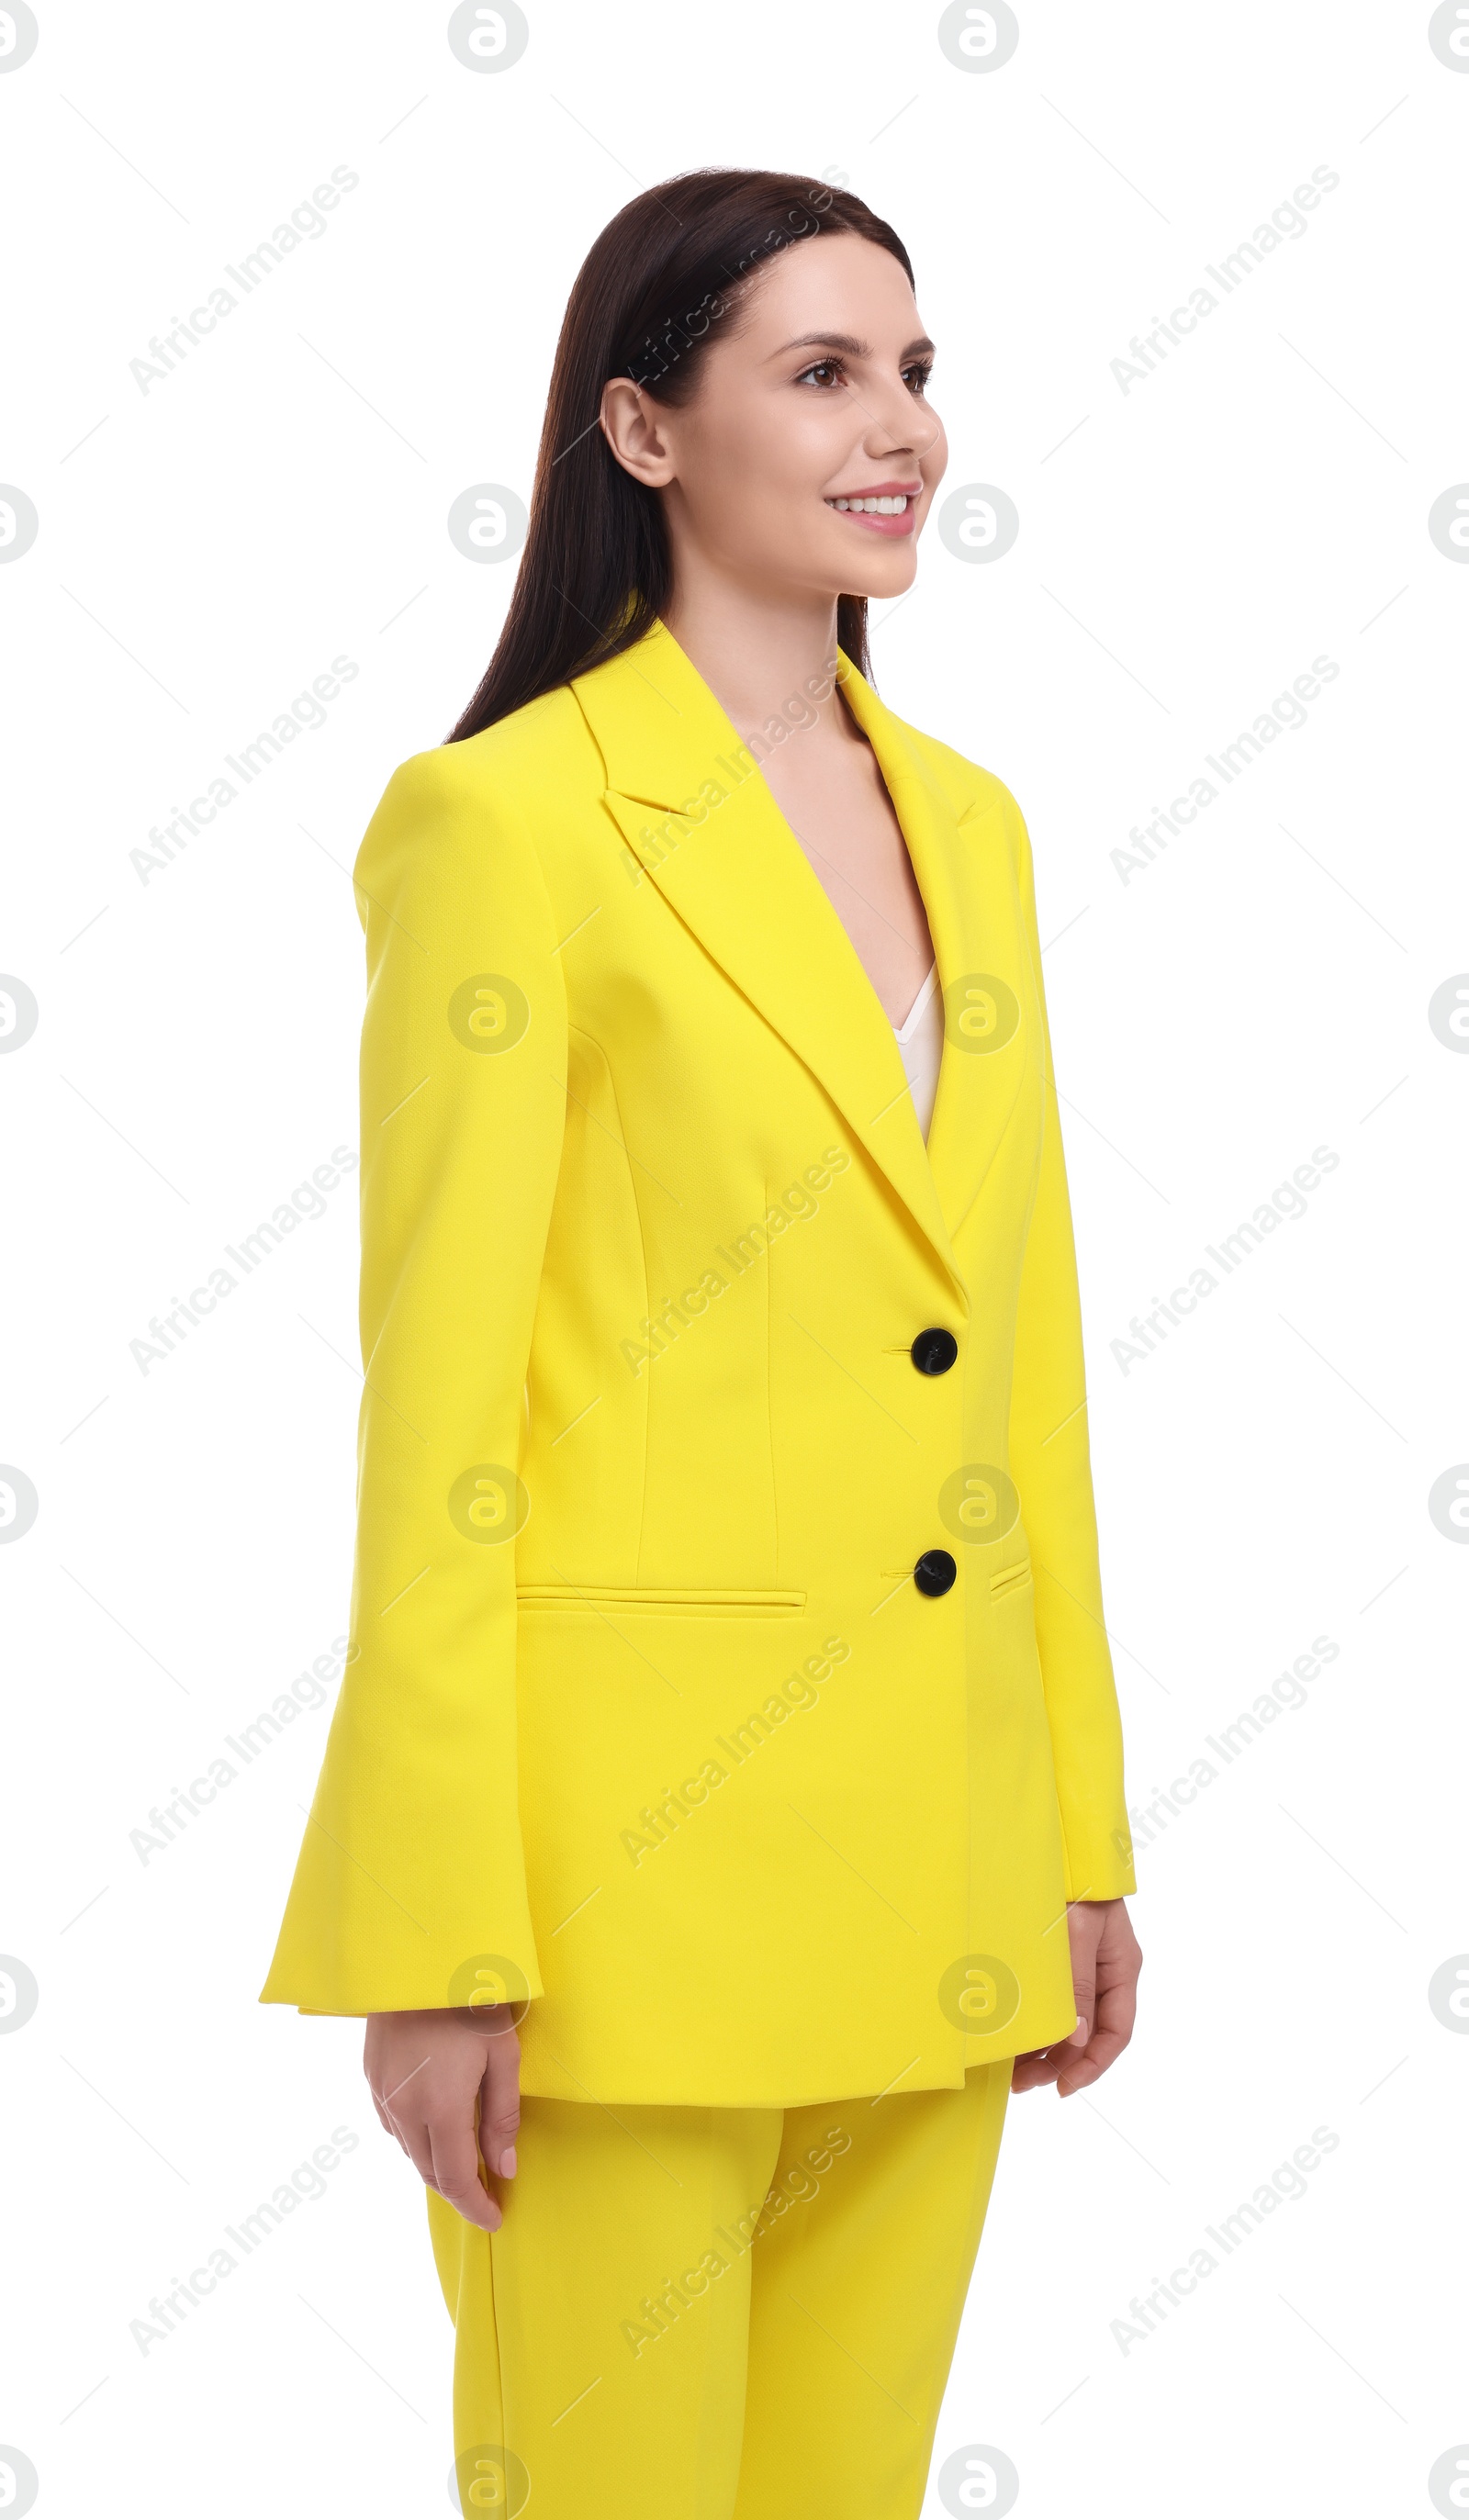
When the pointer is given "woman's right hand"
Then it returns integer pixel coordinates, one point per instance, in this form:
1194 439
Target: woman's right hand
448 2085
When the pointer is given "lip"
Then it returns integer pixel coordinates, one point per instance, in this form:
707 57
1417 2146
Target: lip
880 490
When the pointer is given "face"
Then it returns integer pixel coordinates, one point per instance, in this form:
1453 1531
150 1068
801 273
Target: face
816 398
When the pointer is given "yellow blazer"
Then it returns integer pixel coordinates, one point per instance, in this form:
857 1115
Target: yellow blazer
646 1715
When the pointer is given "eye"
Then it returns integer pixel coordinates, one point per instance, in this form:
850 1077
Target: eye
825 372
916 375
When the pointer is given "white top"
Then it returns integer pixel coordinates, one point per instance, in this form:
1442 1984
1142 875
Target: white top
920 1037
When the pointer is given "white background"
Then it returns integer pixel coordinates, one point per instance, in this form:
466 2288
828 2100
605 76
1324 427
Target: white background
1186 549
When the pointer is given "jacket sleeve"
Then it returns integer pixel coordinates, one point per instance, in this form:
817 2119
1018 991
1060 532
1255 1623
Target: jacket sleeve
409 1890
1052 1463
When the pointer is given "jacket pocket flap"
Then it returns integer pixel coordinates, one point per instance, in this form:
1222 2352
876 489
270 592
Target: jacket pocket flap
650 1596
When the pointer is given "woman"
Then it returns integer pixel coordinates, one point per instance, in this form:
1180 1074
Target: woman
730 1723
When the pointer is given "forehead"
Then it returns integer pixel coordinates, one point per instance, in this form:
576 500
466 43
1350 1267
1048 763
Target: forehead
840 283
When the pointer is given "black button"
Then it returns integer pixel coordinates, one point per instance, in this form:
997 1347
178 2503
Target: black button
934 1351
934 1573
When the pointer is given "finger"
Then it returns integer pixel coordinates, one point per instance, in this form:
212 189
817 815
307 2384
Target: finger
413 2136
1029 2069
500 2103
403 2103
1067 2054
454 2169
1042 2064
1084 2069
386 2122
1117 2014
1083 1970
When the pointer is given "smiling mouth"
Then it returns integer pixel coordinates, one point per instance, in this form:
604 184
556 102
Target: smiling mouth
887 513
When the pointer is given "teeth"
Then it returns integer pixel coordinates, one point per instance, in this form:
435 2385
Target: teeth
871 506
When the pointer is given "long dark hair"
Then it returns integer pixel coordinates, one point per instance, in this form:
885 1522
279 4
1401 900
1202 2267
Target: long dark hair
596 569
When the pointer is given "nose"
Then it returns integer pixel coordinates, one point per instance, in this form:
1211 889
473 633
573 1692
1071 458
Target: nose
892 413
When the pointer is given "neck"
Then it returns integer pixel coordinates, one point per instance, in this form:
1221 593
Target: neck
763 654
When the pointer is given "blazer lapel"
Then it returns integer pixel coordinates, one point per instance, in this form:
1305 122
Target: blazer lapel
961 858
700 820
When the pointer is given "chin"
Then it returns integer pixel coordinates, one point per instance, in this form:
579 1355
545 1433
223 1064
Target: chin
877 584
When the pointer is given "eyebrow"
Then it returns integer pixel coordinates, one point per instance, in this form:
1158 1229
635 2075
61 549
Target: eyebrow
849 342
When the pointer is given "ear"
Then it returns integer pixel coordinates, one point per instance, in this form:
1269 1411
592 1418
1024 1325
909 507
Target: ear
635 431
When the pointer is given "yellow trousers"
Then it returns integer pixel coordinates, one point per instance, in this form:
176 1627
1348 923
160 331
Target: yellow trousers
717 2314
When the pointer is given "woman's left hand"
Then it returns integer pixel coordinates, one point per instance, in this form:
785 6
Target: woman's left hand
1105 1961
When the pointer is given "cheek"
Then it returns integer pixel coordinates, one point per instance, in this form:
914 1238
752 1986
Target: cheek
760 481
798 442
759 459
